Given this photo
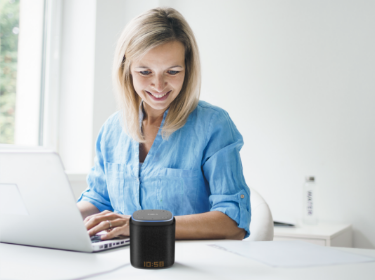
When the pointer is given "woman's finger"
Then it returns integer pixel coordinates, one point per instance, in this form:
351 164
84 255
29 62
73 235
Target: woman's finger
94 221
117 231
98 218
106 225
99 227
88 218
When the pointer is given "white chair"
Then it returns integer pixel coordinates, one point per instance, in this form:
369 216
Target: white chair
261 225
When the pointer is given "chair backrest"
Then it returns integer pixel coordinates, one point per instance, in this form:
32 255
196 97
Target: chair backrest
261 225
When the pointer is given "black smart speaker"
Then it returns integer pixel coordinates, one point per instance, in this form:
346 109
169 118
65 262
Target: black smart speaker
152 239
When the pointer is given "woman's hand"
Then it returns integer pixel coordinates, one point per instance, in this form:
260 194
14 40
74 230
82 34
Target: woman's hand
114 224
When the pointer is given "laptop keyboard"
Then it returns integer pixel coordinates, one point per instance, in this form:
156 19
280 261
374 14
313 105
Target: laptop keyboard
95 238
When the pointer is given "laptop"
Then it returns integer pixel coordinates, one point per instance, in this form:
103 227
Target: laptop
37 205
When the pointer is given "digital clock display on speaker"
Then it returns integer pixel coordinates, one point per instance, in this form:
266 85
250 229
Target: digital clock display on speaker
153 264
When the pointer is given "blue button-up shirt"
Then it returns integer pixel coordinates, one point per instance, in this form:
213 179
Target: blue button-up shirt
198 169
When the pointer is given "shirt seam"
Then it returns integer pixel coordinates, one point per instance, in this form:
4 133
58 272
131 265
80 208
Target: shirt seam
210 107
226 115
210 127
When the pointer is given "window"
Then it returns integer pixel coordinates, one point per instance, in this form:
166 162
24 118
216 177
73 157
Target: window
29 60
9 31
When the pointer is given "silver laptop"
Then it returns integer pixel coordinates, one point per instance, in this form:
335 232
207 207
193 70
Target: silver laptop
37 205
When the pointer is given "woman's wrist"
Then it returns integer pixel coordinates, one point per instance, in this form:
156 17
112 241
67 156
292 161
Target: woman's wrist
87 209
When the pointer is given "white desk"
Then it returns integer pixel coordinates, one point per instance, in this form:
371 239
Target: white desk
195 260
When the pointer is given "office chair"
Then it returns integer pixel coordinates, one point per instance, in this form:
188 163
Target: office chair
261 225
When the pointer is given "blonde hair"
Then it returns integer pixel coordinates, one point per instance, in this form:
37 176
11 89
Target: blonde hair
150 29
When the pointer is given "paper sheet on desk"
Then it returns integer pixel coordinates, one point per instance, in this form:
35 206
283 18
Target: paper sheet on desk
290 253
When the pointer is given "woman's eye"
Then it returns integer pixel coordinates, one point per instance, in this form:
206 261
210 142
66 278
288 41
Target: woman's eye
145 73
171 72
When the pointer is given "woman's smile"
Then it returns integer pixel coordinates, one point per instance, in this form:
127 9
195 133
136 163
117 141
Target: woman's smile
159 96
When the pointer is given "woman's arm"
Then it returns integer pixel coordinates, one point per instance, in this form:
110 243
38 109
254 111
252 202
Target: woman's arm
209 225
87 209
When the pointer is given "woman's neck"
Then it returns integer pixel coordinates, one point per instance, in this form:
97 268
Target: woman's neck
152 116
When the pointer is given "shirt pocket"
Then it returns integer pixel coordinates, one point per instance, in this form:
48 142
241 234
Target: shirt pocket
119 183
178 190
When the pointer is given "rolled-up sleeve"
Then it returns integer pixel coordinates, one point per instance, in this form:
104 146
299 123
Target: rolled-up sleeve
222 169
96 192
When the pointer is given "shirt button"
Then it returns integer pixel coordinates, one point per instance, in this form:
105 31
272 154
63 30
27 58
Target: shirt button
242 196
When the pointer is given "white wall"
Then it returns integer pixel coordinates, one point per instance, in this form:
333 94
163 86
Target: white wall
77 84
297 79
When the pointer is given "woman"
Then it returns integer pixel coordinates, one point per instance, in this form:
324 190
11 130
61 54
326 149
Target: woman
165 149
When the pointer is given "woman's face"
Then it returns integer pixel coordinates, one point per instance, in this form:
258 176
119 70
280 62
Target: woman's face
159 75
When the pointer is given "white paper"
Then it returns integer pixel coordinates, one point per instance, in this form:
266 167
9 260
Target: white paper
291 253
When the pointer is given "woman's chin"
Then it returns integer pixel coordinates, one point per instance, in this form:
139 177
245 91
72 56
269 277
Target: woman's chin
159 104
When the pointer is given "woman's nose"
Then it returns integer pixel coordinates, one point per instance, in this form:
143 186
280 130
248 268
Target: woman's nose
159 83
